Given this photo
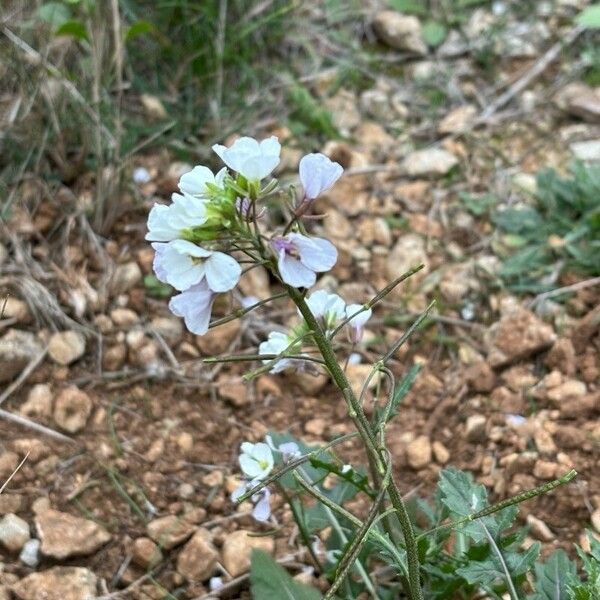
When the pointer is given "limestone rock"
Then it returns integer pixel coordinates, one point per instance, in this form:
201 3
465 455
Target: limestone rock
39 401
72 409
125 277
30 553
587 150
457 120
430 162
475 428
418 452
64 535
408 252
13 308
581 101
517 335
480 377
65 347
145 553
9 461
169 531
402 32
14 532
58 583
17 349
539 529
237 548
198 558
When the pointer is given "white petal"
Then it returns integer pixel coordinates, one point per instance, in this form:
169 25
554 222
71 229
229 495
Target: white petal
219 150
194 182
159 228
258 167
250 467
157 263
263 454
262 510
317 254
189 249
294 273
220 177
195 306
361 318
318 173
222 272
271 146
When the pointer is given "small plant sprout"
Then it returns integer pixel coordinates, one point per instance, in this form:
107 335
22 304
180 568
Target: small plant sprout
201 241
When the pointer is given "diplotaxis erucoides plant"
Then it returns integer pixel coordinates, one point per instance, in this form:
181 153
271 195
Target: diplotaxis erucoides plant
213 226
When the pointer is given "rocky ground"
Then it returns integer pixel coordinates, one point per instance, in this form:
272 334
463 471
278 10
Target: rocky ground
130 439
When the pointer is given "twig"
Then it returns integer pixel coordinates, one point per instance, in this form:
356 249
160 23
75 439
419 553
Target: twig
575 287
4 414
16 384
536 70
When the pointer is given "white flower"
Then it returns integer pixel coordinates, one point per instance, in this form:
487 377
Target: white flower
317 174
301 257
182 264
194 182
276 344
195 306
261 500
256 460
249 158
329 307
357 323
166 223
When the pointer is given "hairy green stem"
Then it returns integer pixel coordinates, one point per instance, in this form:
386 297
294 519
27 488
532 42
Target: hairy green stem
368 437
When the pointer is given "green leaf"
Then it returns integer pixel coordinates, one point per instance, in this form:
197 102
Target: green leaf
478 204
434 33
74 29
54 13
409 7
590 16
269 581
552 576
155 288
139 28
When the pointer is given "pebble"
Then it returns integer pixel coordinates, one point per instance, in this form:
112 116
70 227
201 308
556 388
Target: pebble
169 328
30 553
581 101
539 529
9 461
571 388
457 120
217 340
418 452
475 429
238 546
58 583
10 503
430 162
39 401
145 553
544 442
588 150
562 356
545 470
595 518
316 426
13 308
408 252
401 32
518 335
235 392
440 452
197 561
124 317
64 535
169 531
72 409
65 347
480 377
125 277
14 532
17 349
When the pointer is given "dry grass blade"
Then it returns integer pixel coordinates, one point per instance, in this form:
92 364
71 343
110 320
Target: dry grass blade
14 473
35 361
13 418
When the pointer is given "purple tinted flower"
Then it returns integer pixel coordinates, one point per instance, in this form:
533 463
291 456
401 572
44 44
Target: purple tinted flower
301 257
317 174
262 505
358 316
195 306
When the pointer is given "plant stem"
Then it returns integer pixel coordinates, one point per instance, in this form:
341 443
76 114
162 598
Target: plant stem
368 437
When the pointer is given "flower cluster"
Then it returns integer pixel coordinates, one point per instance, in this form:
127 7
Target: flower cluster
330 311
257 462
211 224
